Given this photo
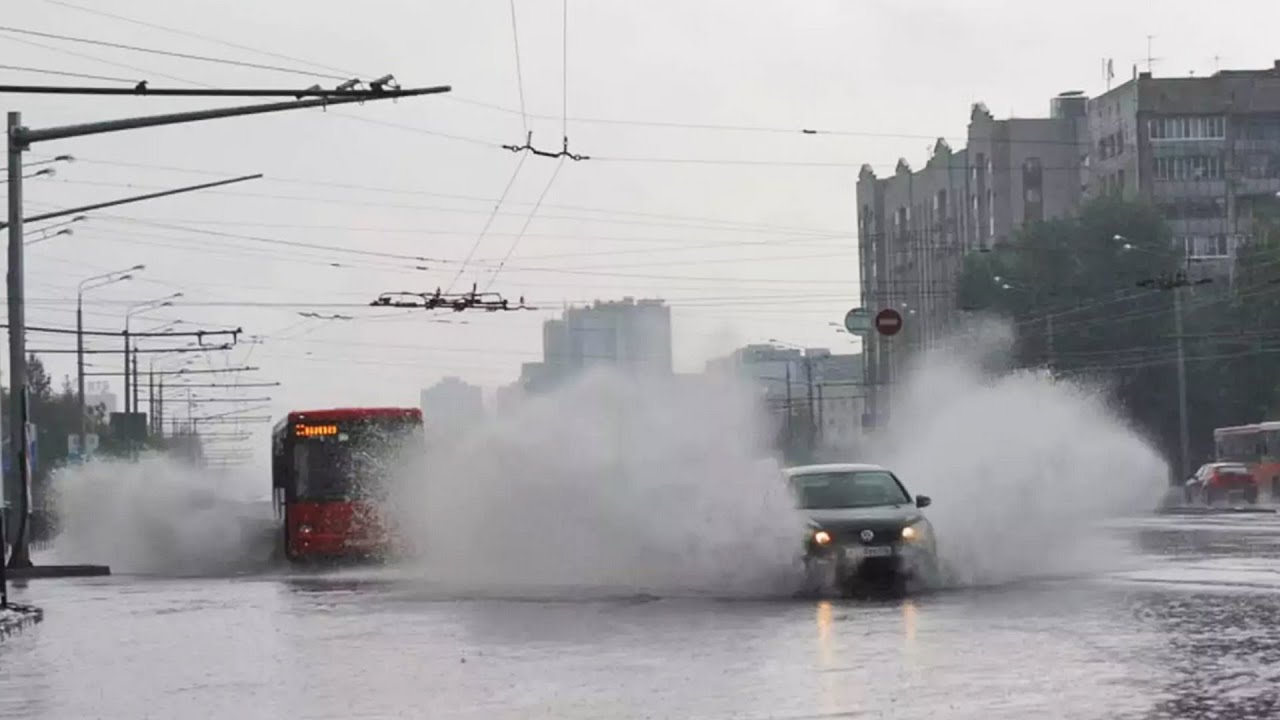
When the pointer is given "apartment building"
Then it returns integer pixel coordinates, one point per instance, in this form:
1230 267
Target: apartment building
915 226
1204 150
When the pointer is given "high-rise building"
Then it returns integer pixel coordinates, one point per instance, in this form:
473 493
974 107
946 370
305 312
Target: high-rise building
633 336
451 403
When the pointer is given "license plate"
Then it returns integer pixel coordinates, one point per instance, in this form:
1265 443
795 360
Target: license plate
868 551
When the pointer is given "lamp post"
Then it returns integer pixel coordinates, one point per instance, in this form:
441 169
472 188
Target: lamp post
91 283
1184 431
129 403
155 394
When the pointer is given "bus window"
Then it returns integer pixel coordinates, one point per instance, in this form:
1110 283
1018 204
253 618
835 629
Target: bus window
1272 443
1239 447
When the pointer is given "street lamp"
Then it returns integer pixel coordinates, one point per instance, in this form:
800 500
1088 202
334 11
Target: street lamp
45 232
155 391
92 283
47 235
130 402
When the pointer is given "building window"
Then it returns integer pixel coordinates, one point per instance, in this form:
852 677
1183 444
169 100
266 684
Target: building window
1207 246
1189 167
1261 166
1199 127
1195 209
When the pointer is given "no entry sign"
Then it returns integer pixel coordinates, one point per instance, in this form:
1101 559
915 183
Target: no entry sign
888 322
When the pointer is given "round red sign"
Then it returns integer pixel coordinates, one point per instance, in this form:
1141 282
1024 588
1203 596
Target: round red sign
888 322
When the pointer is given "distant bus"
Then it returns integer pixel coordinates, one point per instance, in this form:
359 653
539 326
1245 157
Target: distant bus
329 475
1258 447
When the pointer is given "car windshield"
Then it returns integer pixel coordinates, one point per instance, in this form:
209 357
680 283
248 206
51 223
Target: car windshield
848 489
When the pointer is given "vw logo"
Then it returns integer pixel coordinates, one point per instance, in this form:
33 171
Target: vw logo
867 536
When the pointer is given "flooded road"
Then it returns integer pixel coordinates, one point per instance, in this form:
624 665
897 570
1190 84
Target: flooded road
1190 628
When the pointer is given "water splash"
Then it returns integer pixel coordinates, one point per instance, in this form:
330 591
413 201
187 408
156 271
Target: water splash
1023 468
159 516
613 482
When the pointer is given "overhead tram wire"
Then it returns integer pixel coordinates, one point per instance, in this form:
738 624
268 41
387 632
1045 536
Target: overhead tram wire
564 74
85 56
207 38
347 73
527 221
564 118
515 38
487 224
169 53
63 73
710 223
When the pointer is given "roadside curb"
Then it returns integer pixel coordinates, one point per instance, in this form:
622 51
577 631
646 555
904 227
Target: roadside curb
16 618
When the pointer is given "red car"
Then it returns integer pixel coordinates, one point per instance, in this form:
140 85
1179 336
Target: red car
1219 481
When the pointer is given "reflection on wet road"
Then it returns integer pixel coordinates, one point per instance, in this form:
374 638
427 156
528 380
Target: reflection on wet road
1190 629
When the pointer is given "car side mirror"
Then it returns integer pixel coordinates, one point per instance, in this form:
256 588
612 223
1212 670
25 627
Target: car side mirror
923 501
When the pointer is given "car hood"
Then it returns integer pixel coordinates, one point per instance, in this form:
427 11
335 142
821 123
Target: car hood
885 517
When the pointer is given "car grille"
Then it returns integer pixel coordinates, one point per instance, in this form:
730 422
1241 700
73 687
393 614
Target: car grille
853 536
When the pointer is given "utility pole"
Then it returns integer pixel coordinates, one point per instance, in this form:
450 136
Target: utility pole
791 435
127 409
135 381
17 347
160 407
811 430
151 398
1048 329
1184 435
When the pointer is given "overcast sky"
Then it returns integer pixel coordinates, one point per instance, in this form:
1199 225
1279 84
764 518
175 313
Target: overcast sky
748 234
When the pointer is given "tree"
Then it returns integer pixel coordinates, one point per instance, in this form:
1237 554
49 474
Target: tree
1093 296
56 417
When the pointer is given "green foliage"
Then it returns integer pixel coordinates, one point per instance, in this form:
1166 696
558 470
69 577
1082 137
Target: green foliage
56 416
1093 296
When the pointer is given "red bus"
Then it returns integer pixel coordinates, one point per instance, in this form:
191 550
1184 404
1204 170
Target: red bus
329 472
1258 447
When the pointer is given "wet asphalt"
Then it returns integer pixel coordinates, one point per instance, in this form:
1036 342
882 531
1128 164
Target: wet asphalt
1189 628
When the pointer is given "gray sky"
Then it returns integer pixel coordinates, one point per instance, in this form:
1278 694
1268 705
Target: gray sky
749 235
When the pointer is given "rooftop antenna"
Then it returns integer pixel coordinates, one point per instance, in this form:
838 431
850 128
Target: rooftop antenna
1151 61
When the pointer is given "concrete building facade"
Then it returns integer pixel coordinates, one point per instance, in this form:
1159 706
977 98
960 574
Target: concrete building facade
915 226
451 403
631 335
1204 150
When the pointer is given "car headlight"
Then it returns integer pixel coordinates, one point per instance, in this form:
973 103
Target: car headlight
821 537
917 532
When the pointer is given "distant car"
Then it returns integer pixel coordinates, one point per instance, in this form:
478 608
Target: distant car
1217 481
864 526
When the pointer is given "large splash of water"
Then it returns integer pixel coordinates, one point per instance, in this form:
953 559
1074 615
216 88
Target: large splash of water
658 485
613 482
1023 467
160 516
